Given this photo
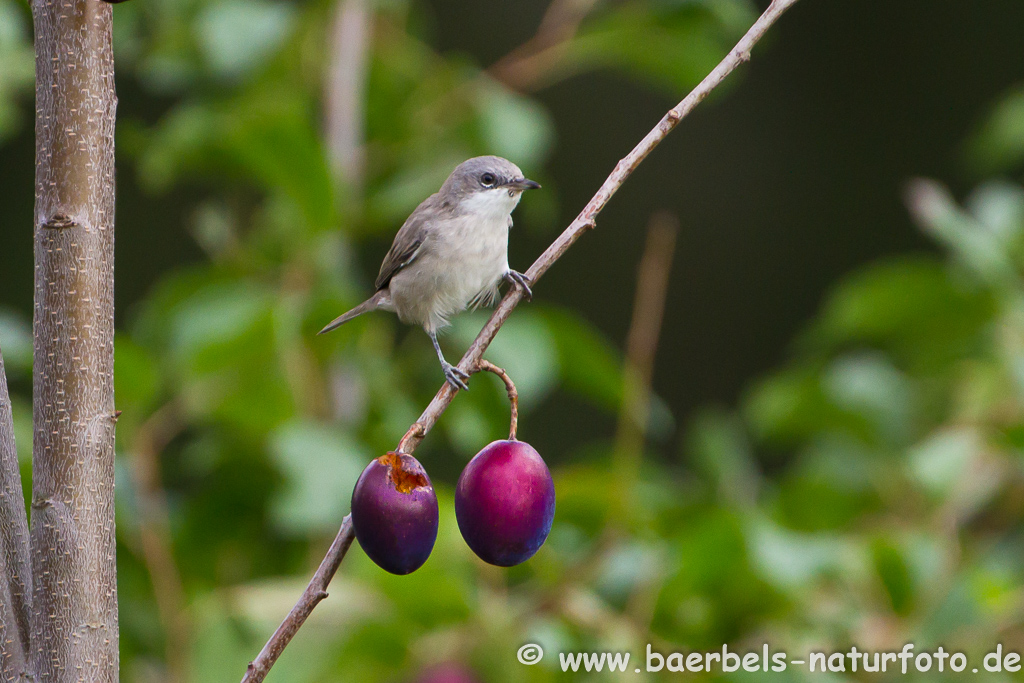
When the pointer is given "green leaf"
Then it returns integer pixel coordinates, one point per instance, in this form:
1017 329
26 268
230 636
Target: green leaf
321 466
238 36
15 342
215 319
895 575
867 384
179 143
265 137
525 348
911 306
18 65
136 377
672 45
513 126
591 367
999 142
946 459
981 250
789 406
272 136
717 444
794 560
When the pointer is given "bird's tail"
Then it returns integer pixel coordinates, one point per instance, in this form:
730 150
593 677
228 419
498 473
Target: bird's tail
371 304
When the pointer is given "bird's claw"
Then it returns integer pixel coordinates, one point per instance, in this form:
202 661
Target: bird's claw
516 278
456 377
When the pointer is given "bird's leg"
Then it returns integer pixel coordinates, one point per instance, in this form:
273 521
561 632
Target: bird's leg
515 278
456 377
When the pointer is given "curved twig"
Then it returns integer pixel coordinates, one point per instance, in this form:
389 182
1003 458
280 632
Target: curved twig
513 395
417 431
585 221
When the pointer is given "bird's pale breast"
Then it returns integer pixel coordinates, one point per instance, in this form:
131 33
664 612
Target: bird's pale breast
467 261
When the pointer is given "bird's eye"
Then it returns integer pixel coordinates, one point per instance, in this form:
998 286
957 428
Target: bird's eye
487 179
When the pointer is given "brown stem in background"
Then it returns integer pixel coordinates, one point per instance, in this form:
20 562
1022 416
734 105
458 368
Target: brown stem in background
350 44
15 564
642 348
470 361
311 597
513 395
638 372
525 66
157 547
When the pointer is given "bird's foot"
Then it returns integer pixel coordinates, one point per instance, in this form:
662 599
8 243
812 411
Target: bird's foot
515 278
456 377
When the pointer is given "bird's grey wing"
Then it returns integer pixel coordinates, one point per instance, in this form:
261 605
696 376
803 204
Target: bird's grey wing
408 241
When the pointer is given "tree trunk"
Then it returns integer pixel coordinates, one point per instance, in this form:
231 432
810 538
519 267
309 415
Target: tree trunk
15 569
74 610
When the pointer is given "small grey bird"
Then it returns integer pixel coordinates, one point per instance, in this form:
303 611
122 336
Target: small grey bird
451 253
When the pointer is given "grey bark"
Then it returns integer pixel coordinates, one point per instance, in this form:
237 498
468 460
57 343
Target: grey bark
15 568
74 607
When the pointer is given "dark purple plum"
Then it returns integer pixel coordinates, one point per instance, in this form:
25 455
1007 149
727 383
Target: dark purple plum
448 673
394 513
505 503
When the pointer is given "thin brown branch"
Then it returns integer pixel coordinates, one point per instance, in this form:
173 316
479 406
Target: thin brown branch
585 221
316 590
311 597
15 565
150 441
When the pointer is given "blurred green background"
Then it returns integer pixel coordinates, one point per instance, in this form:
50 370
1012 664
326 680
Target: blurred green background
833 455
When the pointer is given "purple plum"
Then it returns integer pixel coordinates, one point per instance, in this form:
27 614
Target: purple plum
505 503
394 513
448 673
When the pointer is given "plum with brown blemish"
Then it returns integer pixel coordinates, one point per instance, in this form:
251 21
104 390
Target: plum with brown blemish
394 513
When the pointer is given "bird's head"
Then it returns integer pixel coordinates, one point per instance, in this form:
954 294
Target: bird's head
487 184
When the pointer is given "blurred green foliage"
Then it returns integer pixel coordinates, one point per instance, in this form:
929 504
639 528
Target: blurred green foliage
869 492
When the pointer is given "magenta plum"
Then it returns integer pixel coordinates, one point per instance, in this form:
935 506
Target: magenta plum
394 513
505 503
448 673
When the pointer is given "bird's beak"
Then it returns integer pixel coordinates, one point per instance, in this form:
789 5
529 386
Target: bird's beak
521 184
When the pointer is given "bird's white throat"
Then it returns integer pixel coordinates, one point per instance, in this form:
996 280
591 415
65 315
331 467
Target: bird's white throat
491 205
